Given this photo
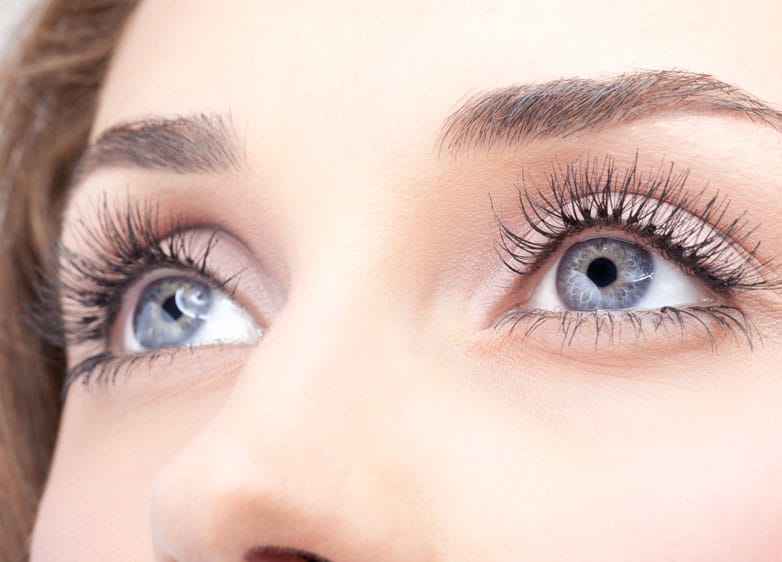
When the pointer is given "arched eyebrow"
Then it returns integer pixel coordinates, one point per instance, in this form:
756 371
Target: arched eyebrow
200 143
520 114
207 143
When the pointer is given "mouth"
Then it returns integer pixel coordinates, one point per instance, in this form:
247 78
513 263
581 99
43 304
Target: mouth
281 554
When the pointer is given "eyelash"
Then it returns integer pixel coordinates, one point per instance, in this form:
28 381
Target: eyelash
80 303
687 228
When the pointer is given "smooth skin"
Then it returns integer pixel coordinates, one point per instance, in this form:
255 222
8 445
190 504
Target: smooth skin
382 417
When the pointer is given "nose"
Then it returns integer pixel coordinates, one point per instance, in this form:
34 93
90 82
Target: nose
308 459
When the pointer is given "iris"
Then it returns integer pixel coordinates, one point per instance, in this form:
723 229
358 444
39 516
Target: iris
170 312
604 274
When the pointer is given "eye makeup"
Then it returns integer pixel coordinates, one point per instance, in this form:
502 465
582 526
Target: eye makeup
693 230
82 303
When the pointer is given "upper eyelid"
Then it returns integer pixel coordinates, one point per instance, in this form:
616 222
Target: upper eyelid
653 207
86 302
116 248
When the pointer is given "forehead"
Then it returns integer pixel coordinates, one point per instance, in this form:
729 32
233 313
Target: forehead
385 75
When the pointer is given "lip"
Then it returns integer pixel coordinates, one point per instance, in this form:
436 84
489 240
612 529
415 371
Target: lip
281 554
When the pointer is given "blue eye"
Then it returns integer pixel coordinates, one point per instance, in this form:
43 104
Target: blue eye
182 311
170 312
614 274
604 274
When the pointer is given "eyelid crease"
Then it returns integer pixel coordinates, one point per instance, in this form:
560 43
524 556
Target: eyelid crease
78 298
687 227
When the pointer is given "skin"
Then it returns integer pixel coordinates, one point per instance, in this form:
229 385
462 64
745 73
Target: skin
382 417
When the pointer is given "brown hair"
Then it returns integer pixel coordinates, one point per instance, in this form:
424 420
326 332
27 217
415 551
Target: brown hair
48 92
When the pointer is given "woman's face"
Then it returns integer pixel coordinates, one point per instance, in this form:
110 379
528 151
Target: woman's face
371 303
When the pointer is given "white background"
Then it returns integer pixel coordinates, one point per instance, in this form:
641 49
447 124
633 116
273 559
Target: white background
11 13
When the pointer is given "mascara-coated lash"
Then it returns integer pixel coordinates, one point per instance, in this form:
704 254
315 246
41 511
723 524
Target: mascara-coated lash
689 228
80 298
612 326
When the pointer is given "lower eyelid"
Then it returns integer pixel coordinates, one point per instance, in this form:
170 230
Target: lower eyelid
138 375
637 335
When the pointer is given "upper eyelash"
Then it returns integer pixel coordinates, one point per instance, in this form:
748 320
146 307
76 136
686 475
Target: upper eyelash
687 227
80 295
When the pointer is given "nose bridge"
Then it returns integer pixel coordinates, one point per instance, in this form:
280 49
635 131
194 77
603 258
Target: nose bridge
305 454
322 368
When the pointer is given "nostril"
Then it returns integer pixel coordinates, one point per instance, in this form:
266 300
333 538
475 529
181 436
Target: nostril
277 554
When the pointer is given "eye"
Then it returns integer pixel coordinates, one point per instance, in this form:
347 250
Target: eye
177 310
603 253
614 274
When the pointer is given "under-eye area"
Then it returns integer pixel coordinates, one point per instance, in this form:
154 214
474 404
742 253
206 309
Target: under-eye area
603 254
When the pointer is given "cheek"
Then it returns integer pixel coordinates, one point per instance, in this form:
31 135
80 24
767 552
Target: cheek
98 520
96 502
688 469
709 492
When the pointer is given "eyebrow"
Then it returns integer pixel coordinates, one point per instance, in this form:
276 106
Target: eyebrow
519 114
200 143
207 143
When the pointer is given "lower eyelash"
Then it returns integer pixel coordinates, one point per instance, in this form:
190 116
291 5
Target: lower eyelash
612 325
105 367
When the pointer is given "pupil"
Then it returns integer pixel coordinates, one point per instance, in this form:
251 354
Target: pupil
171 307
602 272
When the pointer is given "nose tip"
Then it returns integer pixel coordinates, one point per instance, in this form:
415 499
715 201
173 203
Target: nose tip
213 502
